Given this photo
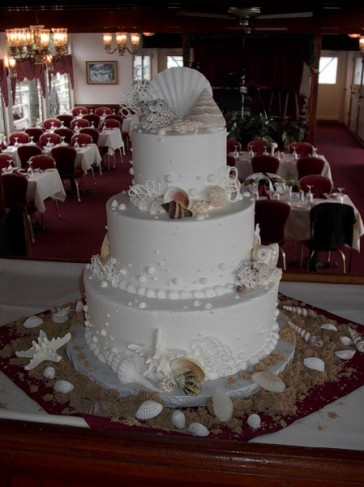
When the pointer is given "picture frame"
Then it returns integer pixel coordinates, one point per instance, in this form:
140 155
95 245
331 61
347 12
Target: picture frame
101 72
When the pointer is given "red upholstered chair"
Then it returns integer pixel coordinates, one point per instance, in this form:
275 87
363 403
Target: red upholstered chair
91 131
114 116
34 132
66 119
232 145
111 123
42 162
51 123
81 139
25 152
125 110
18 137
49 137
65 133
303 149
258 146
309 165
78 123
79 110
320 185
65 157
93 119
230 160
265 163
5 161
271 215
102 111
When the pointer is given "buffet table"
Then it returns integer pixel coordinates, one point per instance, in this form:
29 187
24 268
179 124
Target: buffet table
333 438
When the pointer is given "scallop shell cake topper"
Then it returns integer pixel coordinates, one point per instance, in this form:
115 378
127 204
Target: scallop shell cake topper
206 111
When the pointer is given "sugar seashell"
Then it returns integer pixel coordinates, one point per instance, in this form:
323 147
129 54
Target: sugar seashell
346 341
154 206
222 405
33 322
98 408
314 363
166 384
345 354
328 326
127 373
178 195
176 211
306 335
269 381
182 365
79 306
300 310
198 429
357 339
189 383
63 386
49 373
200 207
216 196
60 316
178 419
254 421
148 409
206 111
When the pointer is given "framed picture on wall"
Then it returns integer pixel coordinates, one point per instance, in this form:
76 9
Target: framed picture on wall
101 72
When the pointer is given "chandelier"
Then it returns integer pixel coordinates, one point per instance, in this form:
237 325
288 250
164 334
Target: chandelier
37 44
121 39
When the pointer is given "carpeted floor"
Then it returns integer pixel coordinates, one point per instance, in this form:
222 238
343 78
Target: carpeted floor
80 232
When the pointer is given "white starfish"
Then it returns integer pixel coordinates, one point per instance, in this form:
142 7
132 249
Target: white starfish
43 349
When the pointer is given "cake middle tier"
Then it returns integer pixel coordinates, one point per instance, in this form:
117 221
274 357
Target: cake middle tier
155 256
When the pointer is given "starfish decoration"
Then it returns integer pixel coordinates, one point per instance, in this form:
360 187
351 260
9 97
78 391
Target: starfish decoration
43 349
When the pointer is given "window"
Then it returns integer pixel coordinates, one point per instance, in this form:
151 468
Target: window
141 68
59 95
27 106
328 70
174 62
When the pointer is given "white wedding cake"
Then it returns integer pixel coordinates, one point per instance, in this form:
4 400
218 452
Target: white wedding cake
182 291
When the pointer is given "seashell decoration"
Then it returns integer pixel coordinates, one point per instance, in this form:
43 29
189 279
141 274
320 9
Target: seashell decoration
176 211
63 386
178 419
127 372
166 384
198 429
266 254
189 383
345 354
200 207
155 114
79 306
155 206
33 322
222 405
49 373
300 310
314 363
148 409
328 326
346 341
357 339
306 335
254 421
98 408
61 315
216 196
182 365
178 195
269 381
206 111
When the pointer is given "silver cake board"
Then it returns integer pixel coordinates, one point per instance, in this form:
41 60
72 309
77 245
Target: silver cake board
86 363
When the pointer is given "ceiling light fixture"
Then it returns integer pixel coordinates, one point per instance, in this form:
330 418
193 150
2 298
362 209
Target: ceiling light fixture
121 39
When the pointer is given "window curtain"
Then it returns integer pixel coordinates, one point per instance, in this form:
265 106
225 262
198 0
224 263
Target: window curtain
28 70
4 82
64 67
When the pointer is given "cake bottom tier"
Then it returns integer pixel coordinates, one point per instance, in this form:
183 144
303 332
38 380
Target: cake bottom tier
225 334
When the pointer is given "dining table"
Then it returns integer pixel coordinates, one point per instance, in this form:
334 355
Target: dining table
287 166
112 139
12 151
43 185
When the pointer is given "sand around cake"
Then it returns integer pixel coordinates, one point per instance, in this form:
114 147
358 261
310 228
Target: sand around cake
306 389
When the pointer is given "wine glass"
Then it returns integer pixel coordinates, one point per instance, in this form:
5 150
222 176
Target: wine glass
31 139
49 144
309 194
341 194
62 139
16 143
294 154
265 153
30 169
236 153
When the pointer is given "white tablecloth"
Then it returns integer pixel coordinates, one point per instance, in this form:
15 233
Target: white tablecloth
29 287
43 185
287 167
87 156
12 151
111 139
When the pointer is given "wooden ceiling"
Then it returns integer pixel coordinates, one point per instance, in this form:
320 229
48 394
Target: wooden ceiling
189 16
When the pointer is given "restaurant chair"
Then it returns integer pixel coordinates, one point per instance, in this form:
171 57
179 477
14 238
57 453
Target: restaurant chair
5 161
94 133
66 133
25 152
258 146
265 163
79 111
66 119
319 185
34 132
126 111
14 233
309 165
230 160
232 145
65 157
111 123
80 139
78 123
51 123
102 111
49 138
18 137
272 215
302 149
331 226
93 119
114 116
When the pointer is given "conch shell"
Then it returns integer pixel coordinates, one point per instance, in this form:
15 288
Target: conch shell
357 339
308 337
175 210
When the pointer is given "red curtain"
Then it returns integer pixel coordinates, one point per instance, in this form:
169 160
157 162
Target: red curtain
4 82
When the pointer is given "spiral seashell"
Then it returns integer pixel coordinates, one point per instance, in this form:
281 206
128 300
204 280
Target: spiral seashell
300 310
357 339
176 211
254 421
198 429
266 254
178 195
269 381
49 373
63 386
216 196
189 383
200 207
33 322
149 409
178 419
222 405
345 354
306 335
182 365
314 363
